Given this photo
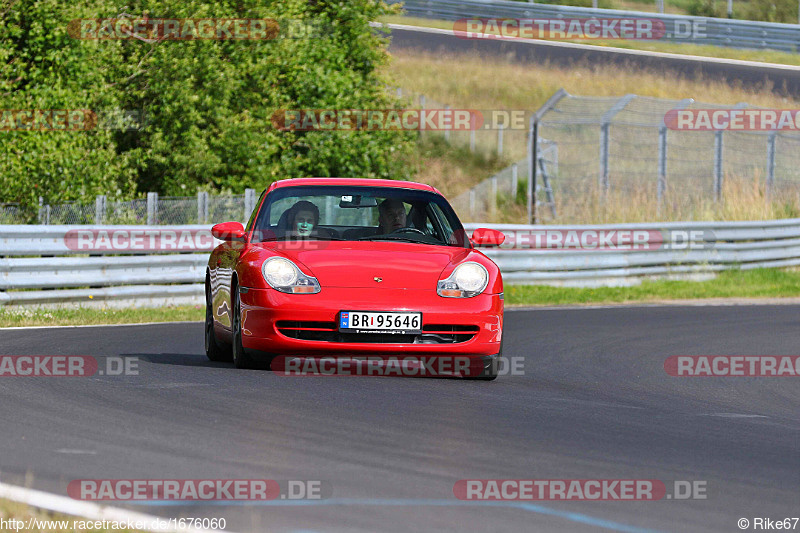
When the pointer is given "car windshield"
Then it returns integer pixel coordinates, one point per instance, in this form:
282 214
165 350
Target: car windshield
349 213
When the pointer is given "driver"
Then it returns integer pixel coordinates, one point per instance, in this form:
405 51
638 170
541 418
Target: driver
391 216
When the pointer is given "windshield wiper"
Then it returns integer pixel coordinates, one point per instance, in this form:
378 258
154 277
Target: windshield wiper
398 238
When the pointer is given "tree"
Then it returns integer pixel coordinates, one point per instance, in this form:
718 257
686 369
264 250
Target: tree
207 103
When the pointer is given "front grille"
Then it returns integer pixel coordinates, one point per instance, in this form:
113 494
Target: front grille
329 332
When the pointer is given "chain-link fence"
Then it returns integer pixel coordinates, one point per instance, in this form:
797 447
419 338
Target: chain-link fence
629 158
499 197
634 146
153 210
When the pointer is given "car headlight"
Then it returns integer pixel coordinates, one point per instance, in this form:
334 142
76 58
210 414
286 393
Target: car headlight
467 280
284 276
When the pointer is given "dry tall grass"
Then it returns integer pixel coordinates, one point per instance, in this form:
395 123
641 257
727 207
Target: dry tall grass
478 82
489 83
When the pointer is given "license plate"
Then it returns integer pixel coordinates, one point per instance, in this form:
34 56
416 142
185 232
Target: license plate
380 322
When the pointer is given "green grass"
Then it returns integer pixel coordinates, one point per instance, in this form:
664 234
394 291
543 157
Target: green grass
759 283
17 511
65 316
451 167
764 56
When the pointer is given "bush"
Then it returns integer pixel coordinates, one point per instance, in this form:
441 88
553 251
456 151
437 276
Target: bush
707 8
207 103
772 10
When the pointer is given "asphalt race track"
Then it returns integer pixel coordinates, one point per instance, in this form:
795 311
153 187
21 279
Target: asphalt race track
784 79
594 403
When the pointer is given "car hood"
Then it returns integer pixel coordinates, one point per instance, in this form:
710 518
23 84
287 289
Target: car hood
361 264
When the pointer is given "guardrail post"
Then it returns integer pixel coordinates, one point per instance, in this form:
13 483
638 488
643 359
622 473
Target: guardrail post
422 113
500 140
514 181
447 131
770 163
202 207
152 208
100 209
249 203
662 163
493 196
718 165
605 130
472 204
603 177
41 211
533 148
533 140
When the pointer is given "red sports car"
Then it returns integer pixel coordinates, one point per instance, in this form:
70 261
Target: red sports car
353 268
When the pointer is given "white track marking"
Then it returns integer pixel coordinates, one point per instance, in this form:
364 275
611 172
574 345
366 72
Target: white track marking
106 325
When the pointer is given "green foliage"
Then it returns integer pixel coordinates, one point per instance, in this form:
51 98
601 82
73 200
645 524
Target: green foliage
772 10
707 8
207 103
603 4
756 283
41 67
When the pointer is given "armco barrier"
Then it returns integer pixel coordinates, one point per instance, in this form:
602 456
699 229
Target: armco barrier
38 267
44 265
743 245
696 30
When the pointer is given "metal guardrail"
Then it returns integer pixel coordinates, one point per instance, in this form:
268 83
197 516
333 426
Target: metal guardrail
721 246
120 278
679 28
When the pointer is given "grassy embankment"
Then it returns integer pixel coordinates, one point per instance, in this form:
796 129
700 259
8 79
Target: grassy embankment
48 522
762 283
489 83
763 56
480 83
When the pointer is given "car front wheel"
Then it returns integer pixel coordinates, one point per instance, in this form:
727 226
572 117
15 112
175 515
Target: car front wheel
214 350
240 357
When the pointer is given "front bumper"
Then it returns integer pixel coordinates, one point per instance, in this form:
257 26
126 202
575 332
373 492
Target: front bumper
264 309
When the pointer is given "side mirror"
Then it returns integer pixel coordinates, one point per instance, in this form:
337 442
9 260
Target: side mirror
487 237
228 231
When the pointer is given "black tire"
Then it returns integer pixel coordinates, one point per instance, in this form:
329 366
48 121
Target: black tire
490 367
240 357
215 351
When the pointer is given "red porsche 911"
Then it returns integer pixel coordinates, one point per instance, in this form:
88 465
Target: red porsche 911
339 267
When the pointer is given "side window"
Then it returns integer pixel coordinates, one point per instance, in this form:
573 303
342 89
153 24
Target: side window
442 222
252 220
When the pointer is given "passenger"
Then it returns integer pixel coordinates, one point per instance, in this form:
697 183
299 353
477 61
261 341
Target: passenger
303 218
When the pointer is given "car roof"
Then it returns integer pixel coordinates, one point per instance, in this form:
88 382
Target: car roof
363 182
